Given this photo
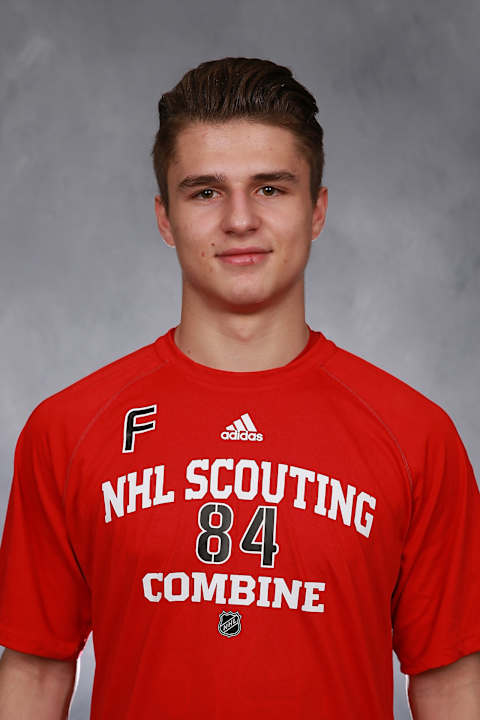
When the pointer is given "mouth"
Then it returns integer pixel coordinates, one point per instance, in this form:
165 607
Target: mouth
244 256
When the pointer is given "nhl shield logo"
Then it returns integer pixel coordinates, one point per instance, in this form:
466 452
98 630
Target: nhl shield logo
229 624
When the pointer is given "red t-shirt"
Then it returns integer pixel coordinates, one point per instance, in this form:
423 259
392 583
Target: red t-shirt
242 544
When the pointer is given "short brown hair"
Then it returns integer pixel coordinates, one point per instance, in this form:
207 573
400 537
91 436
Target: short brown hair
236 87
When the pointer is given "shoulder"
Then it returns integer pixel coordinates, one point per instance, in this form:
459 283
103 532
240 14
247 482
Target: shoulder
63 416
414 420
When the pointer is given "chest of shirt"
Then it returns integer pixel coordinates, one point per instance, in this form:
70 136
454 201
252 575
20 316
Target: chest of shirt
263 483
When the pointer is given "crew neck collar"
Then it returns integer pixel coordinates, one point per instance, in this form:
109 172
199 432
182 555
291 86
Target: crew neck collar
315 352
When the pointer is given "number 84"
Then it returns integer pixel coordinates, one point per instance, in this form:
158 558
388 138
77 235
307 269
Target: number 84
264 519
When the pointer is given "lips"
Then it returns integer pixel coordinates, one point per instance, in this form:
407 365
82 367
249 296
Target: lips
244 251
244 257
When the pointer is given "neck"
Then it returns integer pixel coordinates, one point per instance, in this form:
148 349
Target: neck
243 341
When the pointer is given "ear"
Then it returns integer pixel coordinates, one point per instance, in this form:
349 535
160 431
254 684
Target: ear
319 212
163 222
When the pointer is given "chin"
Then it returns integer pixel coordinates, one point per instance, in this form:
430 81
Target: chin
245 302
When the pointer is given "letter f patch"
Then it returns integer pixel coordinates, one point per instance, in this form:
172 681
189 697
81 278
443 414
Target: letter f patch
131 428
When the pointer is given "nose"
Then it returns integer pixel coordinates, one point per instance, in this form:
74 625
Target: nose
240 215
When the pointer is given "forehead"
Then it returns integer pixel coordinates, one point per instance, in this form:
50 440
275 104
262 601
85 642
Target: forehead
235 147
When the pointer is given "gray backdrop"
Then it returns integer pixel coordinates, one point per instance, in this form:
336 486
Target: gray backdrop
85 277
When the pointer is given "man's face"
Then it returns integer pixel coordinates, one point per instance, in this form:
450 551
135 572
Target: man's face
235 186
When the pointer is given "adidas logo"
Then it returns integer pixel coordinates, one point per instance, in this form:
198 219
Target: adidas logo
241 429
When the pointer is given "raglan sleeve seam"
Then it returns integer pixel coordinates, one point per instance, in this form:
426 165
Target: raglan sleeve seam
385 425
89 425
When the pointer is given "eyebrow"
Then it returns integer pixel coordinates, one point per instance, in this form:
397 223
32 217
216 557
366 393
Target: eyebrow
192 181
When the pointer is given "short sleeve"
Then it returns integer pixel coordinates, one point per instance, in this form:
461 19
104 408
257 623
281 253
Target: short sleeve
44 598
436 600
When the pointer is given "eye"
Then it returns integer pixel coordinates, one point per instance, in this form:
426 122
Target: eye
270 191
204 194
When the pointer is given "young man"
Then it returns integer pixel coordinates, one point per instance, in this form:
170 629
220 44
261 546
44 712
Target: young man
247 516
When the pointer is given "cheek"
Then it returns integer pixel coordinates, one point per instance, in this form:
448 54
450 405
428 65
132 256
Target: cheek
184 234
193 247
295 238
